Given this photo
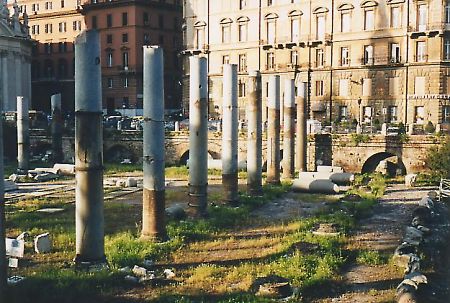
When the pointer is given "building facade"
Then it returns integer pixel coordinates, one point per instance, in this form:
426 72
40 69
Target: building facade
383 61
53 26
15 57
124 26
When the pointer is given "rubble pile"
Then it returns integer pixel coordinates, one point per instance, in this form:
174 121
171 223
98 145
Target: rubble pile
425 238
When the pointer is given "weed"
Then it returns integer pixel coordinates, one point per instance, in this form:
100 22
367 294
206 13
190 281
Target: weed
371 257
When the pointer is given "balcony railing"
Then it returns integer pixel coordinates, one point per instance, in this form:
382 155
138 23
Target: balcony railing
368 61
420 58
344 62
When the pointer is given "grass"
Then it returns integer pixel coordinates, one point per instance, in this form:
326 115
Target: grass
371 258
287 249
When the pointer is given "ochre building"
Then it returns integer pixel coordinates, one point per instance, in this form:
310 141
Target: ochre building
385 61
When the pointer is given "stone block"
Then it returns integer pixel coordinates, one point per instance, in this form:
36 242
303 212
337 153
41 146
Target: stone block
42 243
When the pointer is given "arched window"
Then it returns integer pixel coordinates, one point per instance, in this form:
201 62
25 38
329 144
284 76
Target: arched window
295 25
62 68
226 29
271 28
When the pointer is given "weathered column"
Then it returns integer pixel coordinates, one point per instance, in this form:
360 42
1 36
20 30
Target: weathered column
3 264
230 134
57 124
19 78
254 135
302 136
5 79
273 132
23 135
89 221
289 129
153 223
198 135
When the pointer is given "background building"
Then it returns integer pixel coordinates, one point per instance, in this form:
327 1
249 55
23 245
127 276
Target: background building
15 55
125 26
375 61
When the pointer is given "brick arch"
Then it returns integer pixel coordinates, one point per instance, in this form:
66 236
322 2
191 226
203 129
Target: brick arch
372 162
119 152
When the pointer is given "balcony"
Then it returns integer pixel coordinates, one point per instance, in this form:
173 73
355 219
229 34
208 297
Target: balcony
420 58
430 29
344 62
395 60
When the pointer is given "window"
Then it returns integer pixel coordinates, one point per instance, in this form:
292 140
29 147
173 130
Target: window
110 82
319 88
422 17
368 55
125 82
125 38
419 114
62 47
94 21
226 33
48 5
269 2
48 48
146 39
225 59
62 27
242 28
109 38
242 4
369 20
270 60
124 19
446 114
394 86
241 89
345 22
125 60
62 3
421 52
35 29
161 21
395 17
295 29
271 31
48 28
145 18
320 58
76 25
242 62
320 27
109 20
200 37
109 59
345 60
367 87
294 58
392 114
447 49
35 7
447 12
125 102
419 86
343 113
343 87
367 110
395 53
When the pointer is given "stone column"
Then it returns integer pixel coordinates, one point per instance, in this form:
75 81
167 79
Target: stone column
153 214
89 219
289 129
56 127
19 74
23 135
273 132
230 134
5 80
3 263
302 135
254 135
198 135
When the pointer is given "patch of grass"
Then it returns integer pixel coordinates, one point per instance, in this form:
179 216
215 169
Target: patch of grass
371 258
116 168
177 172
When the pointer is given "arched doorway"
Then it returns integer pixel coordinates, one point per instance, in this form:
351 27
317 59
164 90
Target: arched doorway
393 163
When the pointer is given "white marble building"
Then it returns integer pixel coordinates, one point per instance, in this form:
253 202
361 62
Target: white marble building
15 57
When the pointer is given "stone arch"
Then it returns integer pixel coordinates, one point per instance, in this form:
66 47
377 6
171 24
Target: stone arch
41 147
373 161
119 152
185 156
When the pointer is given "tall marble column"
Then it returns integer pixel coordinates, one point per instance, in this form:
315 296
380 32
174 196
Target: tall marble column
6 103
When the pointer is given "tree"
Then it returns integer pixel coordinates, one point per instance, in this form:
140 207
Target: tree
438 159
